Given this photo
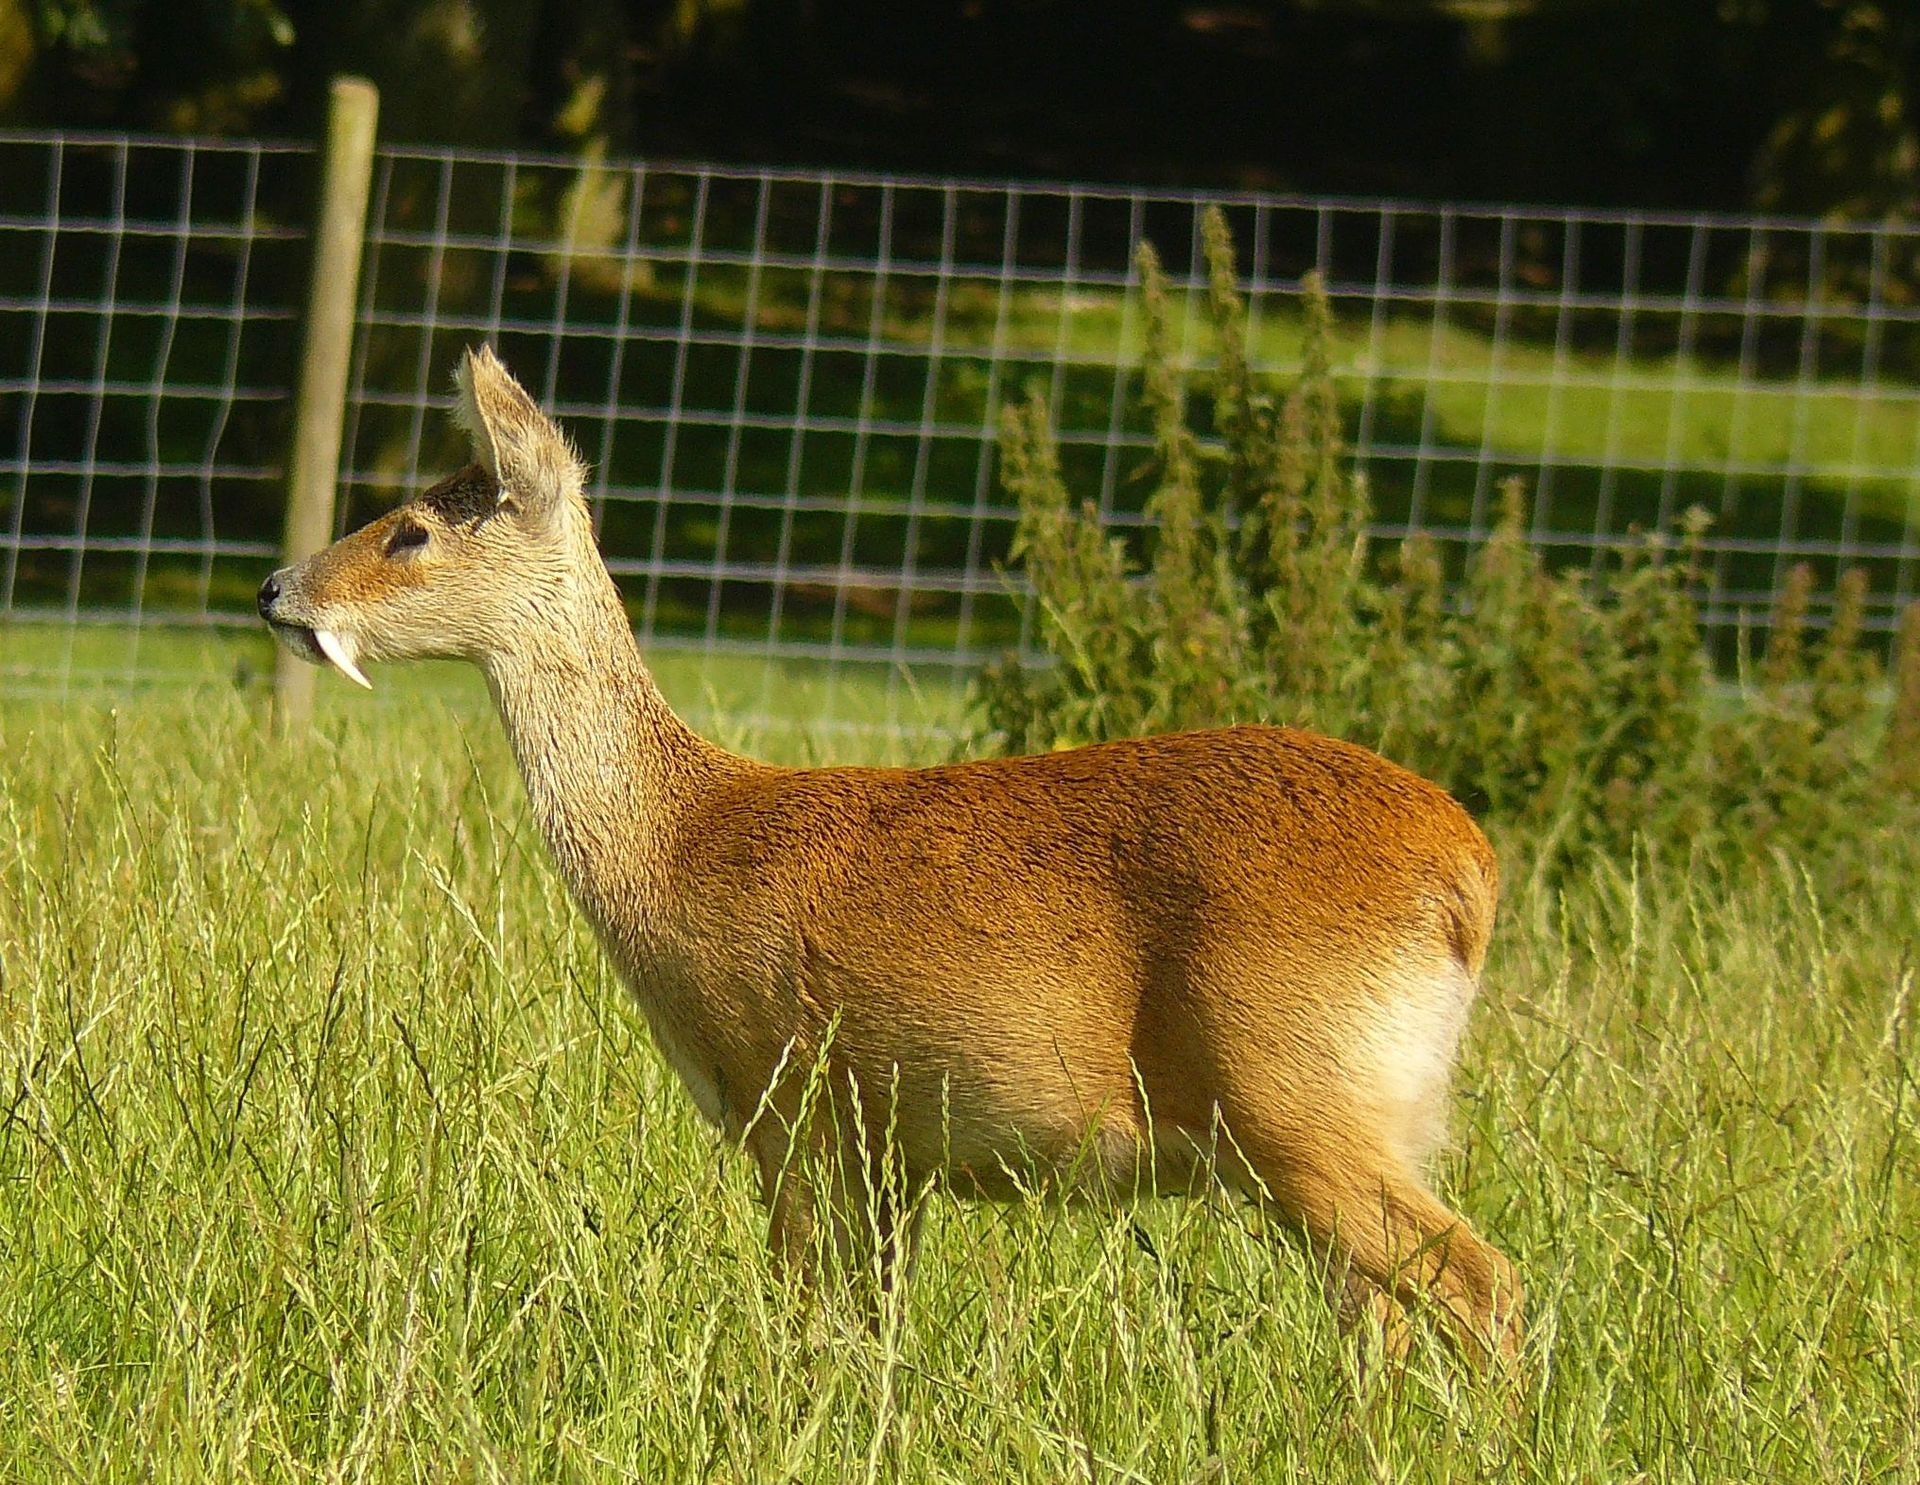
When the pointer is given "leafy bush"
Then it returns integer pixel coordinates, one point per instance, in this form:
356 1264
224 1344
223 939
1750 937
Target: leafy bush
1578 707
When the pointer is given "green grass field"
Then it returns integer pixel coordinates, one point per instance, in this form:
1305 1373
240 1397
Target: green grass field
331 1151
797 710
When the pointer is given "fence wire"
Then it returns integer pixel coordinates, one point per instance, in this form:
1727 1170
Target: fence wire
146 338
789 384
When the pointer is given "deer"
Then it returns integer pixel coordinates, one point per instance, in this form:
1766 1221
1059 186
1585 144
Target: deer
1240 958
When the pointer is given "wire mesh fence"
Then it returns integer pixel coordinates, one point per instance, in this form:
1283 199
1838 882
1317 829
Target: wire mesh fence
146 338
788 385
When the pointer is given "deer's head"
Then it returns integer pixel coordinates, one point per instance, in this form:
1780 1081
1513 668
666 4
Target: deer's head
468 570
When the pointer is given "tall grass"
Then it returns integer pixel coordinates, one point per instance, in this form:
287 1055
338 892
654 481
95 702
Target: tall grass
329 1150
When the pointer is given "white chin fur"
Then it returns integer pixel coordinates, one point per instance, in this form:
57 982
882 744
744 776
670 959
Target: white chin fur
339 649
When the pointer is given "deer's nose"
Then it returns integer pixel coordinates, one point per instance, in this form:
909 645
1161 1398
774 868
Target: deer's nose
269 591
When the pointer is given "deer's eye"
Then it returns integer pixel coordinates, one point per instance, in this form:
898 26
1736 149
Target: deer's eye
407 537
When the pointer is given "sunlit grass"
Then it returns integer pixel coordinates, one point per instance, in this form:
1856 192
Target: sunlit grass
332 1151
798 710
1637 402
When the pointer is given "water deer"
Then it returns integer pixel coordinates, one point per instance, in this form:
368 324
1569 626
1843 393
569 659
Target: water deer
1241 956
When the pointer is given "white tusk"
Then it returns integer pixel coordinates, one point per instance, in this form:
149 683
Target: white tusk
341 654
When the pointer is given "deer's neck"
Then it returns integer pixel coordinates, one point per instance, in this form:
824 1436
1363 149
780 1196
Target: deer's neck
610 771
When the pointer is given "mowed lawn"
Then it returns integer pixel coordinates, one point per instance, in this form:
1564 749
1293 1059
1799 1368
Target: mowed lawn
331 1151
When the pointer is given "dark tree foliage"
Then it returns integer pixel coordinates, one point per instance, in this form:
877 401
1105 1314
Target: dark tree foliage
1801 105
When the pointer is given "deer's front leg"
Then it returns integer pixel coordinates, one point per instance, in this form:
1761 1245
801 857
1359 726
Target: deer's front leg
787 1192
836 1207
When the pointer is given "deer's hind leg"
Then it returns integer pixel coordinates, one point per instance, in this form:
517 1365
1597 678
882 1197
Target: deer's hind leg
1347 1175
1349 1172
1395 1246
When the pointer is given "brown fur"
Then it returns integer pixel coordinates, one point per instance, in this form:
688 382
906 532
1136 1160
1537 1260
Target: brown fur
1244 955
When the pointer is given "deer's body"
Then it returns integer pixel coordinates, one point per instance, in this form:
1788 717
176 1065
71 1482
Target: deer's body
1246 954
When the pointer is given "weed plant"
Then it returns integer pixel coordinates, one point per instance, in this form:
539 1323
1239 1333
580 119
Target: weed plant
1576 709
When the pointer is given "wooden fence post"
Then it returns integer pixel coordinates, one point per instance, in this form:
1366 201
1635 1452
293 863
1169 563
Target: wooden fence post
313 465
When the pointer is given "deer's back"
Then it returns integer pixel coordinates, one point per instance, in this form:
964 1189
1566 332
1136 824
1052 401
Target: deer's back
1329 844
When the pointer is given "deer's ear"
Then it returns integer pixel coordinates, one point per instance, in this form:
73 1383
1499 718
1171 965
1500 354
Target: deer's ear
528 457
